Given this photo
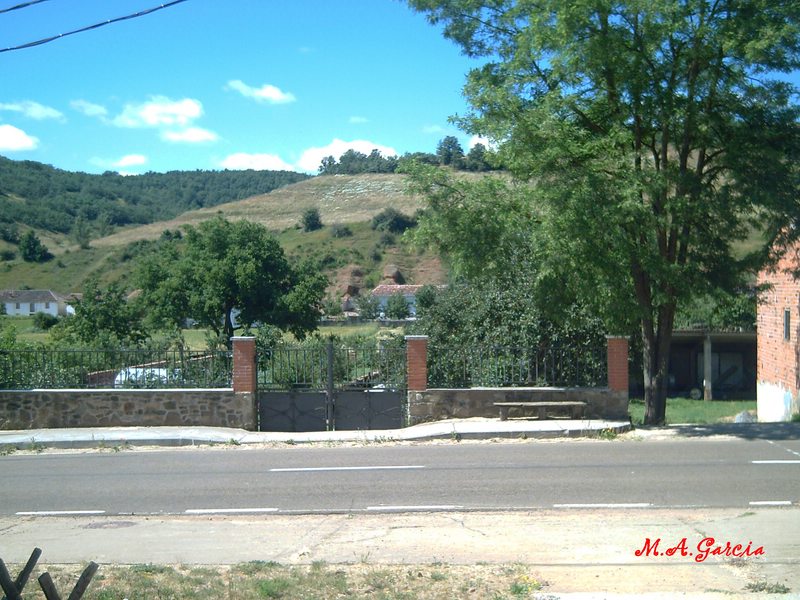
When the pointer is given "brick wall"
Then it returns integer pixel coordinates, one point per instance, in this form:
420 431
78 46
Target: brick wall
245 372
777 379
617 361
417 362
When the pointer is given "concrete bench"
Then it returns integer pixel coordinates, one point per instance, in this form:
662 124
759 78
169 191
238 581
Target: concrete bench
576 408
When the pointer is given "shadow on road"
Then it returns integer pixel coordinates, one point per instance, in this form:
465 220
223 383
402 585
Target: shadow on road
749 431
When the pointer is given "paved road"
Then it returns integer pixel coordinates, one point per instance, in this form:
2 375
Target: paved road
401 478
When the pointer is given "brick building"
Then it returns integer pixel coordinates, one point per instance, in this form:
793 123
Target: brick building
779 341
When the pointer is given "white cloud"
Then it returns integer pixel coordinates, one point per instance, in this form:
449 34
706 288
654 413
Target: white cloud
358 120
13 139
191 135
266 93
90 109
131 160
159 112
33 110
479 139
433 129
311 158
258 162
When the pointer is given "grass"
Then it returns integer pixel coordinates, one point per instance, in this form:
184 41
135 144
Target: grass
686 410
353 200
269 580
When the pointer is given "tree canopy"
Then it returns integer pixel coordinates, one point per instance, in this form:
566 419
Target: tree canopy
224 270
41 196
655 136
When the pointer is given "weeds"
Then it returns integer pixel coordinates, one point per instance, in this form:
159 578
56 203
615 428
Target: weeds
607 434
762 587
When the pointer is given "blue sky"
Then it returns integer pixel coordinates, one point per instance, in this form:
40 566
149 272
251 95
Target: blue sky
212 84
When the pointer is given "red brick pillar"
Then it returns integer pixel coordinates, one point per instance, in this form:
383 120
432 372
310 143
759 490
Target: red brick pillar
417 362
617 359
244 365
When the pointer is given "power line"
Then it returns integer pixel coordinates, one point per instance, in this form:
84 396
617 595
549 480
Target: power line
23 5
90 27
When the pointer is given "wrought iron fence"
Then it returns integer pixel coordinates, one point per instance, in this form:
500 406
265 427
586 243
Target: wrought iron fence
328 365
82 369
557 366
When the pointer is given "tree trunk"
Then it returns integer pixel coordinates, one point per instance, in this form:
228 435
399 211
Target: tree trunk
227 328
655 362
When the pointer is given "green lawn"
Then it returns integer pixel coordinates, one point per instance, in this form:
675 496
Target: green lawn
686 410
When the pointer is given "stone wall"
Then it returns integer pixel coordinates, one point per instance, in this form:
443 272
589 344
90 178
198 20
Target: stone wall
437 404
40 409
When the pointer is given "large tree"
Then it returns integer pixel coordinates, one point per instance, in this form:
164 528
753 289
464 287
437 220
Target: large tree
221 267
656 135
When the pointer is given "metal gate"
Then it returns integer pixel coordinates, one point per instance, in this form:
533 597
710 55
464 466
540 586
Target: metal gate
327 386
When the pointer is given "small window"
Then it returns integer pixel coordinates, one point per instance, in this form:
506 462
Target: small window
32 308
17 307
787 324
47 306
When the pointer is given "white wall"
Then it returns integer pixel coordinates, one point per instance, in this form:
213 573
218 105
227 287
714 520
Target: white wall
775 402
25 308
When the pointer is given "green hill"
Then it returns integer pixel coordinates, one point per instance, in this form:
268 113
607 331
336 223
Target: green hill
355 255
58 203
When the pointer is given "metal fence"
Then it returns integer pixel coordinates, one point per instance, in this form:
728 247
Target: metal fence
326 366
83 369
556 366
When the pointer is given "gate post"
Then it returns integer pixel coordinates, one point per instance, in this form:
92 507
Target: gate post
617 360
330 400
417 362
245 375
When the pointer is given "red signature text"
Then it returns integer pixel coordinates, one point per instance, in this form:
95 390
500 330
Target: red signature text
706 547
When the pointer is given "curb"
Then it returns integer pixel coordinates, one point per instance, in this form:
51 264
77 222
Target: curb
113 437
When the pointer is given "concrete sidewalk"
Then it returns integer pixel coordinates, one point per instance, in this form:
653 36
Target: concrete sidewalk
574 551
456 429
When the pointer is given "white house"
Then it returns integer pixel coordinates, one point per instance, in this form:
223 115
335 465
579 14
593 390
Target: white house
29 302
384 291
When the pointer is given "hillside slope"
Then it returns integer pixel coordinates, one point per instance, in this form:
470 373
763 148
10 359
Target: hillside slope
339 198
358 259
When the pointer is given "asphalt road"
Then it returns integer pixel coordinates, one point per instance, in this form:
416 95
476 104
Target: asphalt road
403 478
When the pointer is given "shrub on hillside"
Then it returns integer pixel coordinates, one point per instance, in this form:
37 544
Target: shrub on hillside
392 220
44 321
311 220
340 231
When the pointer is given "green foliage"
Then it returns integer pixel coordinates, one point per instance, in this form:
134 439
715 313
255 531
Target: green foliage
393 221
720 311
222 266
654 137
481 227
397 306
44 321
353 162
81 233
311 220
103 318
478 159
53 200
332 307
368 306
426 298
31 248
341 231
450 153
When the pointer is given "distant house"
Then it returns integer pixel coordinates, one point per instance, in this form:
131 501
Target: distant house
385 291
779 341
29 302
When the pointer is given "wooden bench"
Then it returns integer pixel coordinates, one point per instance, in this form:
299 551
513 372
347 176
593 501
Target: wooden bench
576 408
